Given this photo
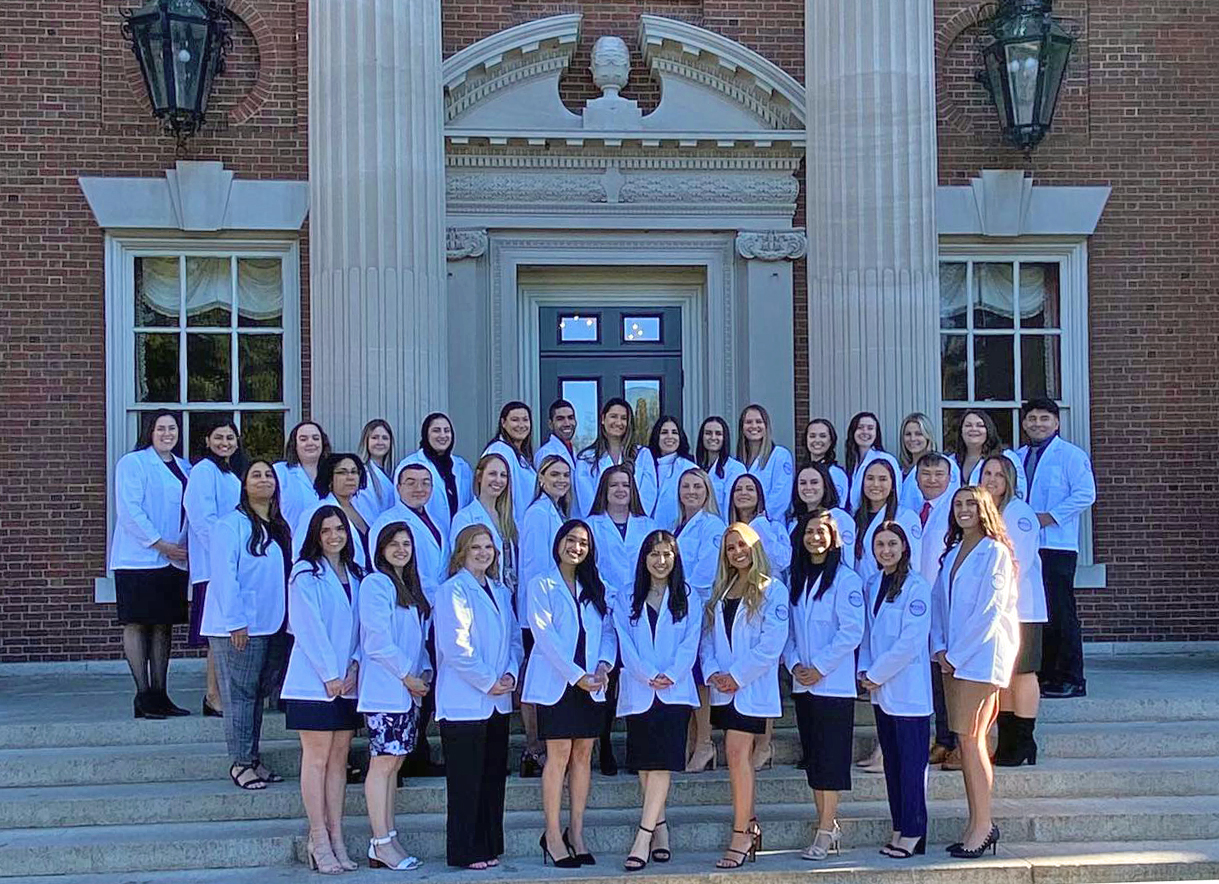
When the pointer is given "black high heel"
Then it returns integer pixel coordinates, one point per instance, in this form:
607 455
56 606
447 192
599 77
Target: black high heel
169 707
565 862
991 843
586 859
895 852
724 862
637 863
755 829
661 854
211 712
142 708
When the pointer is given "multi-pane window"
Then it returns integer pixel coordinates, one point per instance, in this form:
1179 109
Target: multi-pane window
209 337
1001 340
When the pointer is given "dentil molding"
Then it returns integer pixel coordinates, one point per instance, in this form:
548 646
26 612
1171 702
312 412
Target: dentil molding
772 245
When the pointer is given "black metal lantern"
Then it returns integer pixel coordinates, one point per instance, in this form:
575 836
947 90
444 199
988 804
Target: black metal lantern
180 45
1024 64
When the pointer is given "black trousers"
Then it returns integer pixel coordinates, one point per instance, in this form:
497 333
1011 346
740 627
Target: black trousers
1062 647
476 764
943 733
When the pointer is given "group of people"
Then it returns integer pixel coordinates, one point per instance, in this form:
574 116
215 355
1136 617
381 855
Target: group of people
661 584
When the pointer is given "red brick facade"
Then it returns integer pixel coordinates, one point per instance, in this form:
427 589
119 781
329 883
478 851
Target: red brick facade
1138 112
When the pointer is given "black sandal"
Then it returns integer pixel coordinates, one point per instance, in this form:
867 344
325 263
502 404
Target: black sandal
724 862
236 772
637 863
270 776
661 854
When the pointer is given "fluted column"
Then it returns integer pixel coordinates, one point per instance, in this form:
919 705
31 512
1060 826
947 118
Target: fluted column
377 224
872 274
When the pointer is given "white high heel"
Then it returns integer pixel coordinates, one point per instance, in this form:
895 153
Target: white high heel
816 852
408 864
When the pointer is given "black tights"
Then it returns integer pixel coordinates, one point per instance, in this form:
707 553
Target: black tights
147 652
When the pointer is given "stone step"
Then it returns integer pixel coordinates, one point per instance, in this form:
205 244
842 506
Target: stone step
218 800
256 843
119 731
202 761
1015 863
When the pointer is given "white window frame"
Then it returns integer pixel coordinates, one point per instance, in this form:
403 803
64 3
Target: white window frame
121 250
1071 253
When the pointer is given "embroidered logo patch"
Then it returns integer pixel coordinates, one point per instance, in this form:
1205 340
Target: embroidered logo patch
918 607
1025 524
848 538
781 612
787 469
916 532
997 580
856 599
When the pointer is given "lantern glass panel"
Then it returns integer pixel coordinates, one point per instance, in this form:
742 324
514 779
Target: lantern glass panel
996 79
1056 66
149 41
1023 67
189 41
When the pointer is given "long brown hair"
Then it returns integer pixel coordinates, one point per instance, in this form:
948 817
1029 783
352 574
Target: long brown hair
765 448
601 498
377 423
504 520
989 521
902 571
757 579
563 504
407 586
863 518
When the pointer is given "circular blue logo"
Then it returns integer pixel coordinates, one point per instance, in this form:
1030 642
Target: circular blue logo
916 532
848 538
1025 524
856 599
781 612
787 468
918 607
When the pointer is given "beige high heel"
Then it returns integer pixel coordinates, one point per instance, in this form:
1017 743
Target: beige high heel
322 859
824 843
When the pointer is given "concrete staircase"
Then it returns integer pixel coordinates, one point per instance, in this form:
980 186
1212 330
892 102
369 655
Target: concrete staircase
1128 789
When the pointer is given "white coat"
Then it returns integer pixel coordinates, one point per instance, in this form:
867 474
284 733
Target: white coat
1022 482
589 474
776 478
1063 486
842 484
583 497
245 591
931 547
438 504
669 470
295 492
866 565
523 476
147 508
618 556
973 615
361 506
379 493
911 496
855 483
752 658
775 541
431 557
1025 535
672 652
722 486
392 646
477 642
210 494
326 628
555 618
538 530
896 652
825 633
699 545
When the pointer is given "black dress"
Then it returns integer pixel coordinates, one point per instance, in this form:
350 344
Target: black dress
153 596
726 717
576 716
656 738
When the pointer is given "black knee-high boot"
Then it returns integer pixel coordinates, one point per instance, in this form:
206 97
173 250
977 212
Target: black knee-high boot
1006 748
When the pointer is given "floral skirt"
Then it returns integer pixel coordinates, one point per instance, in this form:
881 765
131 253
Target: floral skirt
392 733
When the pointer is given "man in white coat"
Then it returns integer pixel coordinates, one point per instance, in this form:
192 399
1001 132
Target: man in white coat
562 415
1061 488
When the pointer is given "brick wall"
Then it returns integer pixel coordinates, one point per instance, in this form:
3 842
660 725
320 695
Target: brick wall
1138 112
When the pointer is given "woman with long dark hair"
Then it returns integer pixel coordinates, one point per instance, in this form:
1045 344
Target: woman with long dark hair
977 439
452 479
340 479
658 635
815 489
748 504
864 444
878 504
305 449
513 441
713 453
615 446
148 557
821 447
671 451
243 616
213 491
322 678
575 647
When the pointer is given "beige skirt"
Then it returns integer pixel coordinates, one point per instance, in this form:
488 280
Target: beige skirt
973 706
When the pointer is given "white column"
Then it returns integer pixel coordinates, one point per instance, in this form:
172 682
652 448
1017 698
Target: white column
873 284
378 318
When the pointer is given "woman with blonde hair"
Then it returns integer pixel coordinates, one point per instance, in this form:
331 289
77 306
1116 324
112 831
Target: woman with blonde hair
743 638
917 437
492 507
975 637
376 450
772 464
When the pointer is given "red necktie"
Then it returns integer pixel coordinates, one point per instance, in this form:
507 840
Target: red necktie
924 513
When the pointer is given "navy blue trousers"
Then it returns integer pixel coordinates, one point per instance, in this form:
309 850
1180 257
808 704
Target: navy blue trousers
903 740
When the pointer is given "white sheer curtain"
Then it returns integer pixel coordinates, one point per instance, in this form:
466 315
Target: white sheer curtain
993 284
209 286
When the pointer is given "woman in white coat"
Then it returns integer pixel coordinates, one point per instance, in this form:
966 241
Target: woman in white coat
879 504
748 503
772 464
323 672
815 489
395 677
340 479
671 450
376 450
701 531
864 444
713 452
975 637
305 449
826 629
478 661
743 638
615 446
658 635
918 438
977 439
243 617
1019 702
513 441
148 558
452 479
213 490
492 506
574 649
821 447
894 667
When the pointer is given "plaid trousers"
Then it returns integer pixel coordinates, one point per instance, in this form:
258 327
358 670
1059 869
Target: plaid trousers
245 682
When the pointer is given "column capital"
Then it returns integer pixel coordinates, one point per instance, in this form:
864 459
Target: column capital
461 243
772 245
